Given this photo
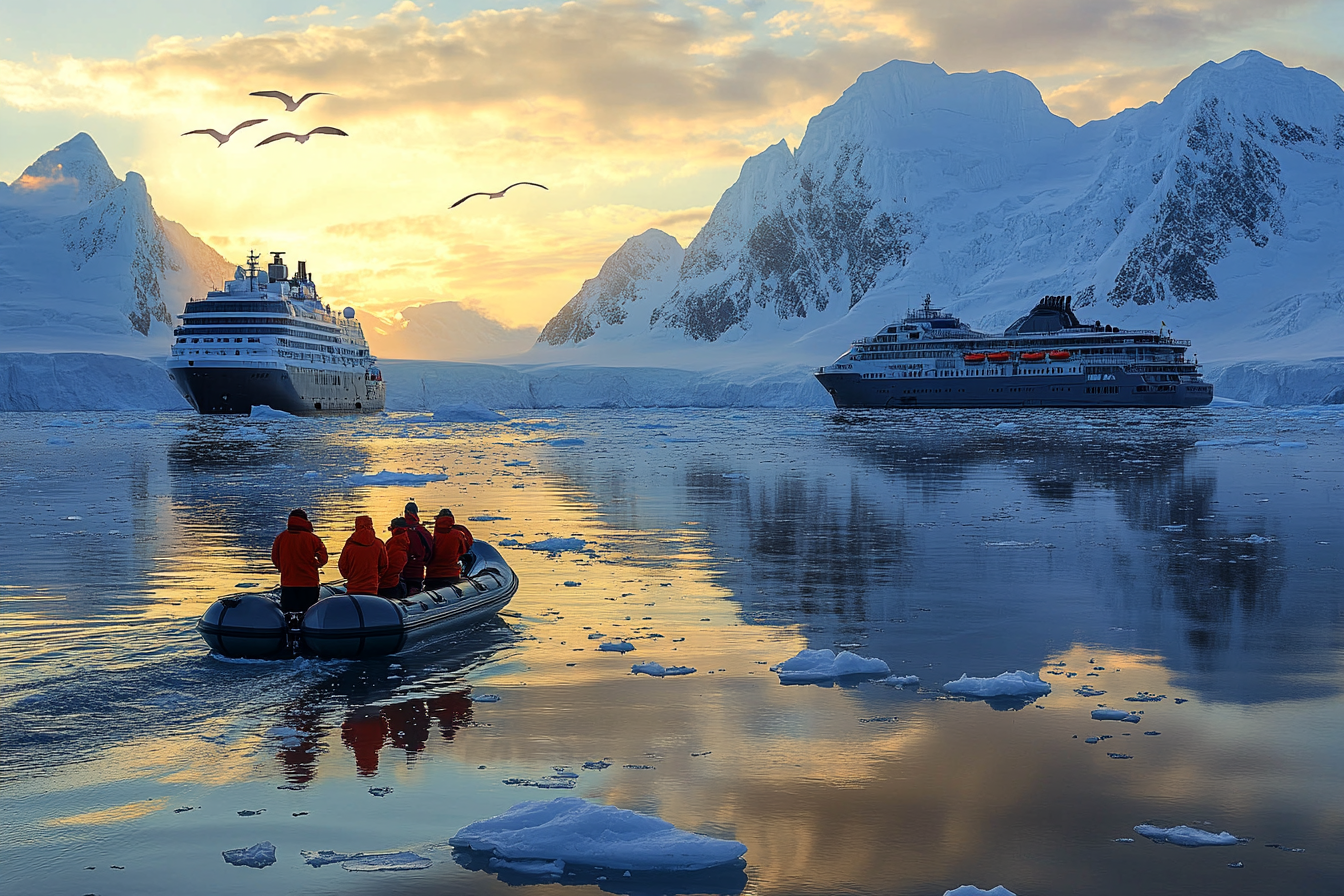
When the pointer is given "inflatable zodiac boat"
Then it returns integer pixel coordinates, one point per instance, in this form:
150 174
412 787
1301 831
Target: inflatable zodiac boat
359 625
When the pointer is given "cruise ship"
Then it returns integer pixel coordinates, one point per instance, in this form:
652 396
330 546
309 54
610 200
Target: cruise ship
268 339
1047 358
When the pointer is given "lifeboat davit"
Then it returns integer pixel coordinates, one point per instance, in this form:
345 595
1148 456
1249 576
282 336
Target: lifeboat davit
1000 357
1060 355
973 358
1033 356
358 625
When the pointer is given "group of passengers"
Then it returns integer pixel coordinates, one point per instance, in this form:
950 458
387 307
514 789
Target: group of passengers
410 561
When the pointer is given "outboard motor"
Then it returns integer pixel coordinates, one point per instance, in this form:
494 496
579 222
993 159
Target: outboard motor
245 625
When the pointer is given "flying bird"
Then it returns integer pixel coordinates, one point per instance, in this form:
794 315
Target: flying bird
500 194
303 138
290 103
224 138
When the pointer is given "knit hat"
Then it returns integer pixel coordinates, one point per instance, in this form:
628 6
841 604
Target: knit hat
444 512
411 508
398 523
299 512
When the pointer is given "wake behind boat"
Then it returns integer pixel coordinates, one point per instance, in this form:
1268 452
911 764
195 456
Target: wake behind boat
267 339
360 625
1047 358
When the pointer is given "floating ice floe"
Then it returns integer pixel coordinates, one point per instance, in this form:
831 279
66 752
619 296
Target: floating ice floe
258 856
657 670
466 412
484 698
56 440
391 861
1008 684
1005 425
556 545
266 412
1254 539
485 518
809 666
1113 715
900 681
617 646
969 890
577 832
1182 835
387 477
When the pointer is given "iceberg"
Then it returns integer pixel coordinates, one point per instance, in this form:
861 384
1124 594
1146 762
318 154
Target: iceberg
266 412
1009 684
258 856
1183 835
825 665
577 832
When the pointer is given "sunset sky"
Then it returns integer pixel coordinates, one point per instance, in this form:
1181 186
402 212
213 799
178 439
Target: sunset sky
636 114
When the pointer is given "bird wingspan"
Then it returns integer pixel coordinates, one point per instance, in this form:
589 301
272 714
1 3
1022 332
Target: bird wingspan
524 183
306 96
246 124
275 137
465 198
327 129
212 132
278 94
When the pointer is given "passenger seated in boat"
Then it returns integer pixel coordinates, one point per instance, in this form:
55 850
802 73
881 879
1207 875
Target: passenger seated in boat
419 551
392 585
451 541
298 554
363 559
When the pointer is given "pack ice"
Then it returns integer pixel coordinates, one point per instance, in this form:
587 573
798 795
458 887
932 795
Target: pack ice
574 831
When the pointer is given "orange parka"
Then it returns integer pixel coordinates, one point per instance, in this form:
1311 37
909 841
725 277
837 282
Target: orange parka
397 548
363 559
420 547
451 541
298 554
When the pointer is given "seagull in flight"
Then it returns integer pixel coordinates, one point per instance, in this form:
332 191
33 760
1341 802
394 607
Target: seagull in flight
290 103
500 194
303 138
224 138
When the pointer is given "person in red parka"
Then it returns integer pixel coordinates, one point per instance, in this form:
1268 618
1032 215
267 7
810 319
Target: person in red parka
391 585
451 541
419 550
363 559
298 554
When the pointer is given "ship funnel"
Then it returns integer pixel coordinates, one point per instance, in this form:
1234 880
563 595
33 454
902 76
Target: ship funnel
303 273
277 269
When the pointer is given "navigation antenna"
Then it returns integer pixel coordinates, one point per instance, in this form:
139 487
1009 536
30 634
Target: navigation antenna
252 257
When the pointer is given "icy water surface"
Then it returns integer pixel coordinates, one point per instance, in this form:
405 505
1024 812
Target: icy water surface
1186 564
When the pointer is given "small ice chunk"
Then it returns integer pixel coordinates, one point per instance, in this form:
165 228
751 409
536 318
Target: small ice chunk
380 791
658 671
258 856
484 698
825 665
617 646
266 412
968 890
388 861
577 832
537 867
320 857
1008 684
1182 835
900 681
485 518
556 545
57 440
387 477
1113 715
1005 425
572 584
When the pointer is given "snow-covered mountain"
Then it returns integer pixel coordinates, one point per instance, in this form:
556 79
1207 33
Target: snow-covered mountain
1219 211
86 263
445 330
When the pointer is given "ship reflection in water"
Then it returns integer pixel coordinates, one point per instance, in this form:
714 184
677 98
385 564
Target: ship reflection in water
1181 565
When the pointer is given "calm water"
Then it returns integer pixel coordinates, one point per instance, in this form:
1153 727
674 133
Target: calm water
1100 550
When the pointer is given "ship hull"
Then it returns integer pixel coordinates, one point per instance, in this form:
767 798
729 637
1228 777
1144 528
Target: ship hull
304 391
851 390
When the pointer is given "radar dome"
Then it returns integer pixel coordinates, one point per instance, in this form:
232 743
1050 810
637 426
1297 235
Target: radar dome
349 313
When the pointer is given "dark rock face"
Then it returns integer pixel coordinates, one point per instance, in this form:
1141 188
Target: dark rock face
1225 184
822 241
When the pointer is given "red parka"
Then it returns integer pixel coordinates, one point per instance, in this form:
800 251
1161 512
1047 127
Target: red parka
363 559
397 547
451 541
298 554
419 549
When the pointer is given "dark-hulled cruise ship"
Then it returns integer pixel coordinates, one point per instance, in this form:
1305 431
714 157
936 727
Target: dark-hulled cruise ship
1046 359
268 339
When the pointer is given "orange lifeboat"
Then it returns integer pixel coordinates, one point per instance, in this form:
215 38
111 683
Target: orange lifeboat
1033 356
1060 355
973 357
1000 357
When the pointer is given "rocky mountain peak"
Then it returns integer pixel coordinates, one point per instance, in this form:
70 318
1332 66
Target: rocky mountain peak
76 164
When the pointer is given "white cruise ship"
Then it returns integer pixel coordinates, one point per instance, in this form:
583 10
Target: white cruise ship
268 339
1048 358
